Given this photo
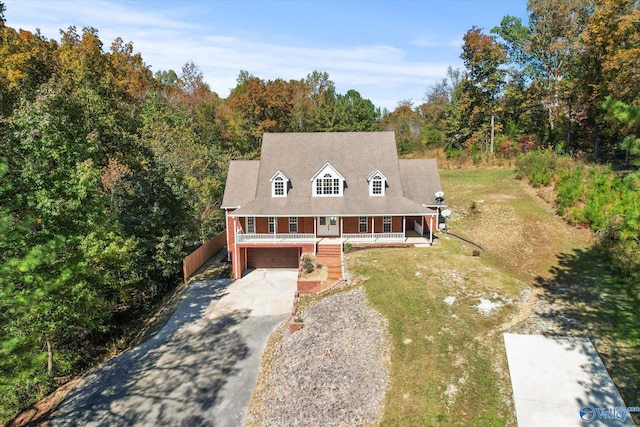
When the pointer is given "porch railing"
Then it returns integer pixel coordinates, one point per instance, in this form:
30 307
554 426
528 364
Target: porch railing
275 237
374 237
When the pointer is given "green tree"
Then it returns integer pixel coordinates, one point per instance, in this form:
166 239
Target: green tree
556 29
405 121
354 113
483 58
627 117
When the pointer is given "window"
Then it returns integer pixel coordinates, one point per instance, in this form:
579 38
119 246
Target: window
362 224
376 186
251 225
328 185
327 182
386 224
278 186
377 183
273 225
293 224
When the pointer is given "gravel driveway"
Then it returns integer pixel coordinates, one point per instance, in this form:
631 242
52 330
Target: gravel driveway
199 370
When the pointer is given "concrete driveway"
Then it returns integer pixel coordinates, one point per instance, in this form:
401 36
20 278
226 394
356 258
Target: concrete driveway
199 370
561 381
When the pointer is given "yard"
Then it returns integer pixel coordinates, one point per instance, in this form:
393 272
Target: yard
447 309
447 306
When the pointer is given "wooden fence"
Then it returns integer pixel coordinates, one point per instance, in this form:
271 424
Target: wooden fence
197 258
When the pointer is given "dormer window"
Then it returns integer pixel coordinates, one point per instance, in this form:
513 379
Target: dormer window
327 185
279 185
377 184
327 182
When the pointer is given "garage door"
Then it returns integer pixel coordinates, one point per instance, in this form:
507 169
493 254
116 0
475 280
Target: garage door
272 257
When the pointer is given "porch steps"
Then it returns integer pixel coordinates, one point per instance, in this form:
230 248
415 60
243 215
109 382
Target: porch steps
331 256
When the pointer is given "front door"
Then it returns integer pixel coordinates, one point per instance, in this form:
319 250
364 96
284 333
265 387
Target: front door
328 226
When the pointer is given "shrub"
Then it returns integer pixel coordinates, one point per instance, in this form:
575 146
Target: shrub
538 167
453 153
308 267
570 189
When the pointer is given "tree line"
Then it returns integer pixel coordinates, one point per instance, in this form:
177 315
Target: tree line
110 174
567 79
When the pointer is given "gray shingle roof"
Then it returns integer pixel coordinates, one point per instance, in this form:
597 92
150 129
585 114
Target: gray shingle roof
420 180
355 155
241 183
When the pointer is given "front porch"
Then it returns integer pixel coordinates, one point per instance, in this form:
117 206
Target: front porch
410 237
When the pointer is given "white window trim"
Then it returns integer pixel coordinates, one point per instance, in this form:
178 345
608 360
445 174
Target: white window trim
327 169
251 228
373 177
273 225
293 224
279 177
361 223
387 220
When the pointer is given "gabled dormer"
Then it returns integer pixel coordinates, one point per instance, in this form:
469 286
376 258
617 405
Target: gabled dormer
279 185
377 184
327 182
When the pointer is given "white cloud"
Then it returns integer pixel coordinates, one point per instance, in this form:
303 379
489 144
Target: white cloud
383 73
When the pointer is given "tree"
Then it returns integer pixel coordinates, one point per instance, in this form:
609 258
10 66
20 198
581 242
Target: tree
515 41
556 28
436 107
354 114
405 121
309 102
483 58
628 118
59 265
610 46
458 122
171 134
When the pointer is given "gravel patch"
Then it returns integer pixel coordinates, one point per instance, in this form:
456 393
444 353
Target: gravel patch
487 306
333 372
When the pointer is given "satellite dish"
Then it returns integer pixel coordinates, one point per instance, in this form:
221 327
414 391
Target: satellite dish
439 197
446 213
440 194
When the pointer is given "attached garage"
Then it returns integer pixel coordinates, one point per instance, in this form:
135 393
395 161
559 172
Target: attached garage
273 257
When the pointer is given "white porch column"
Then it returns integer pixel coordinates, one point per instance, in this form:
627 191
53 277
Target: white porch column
404 226
235 260
226 228
431 230
315 234
373 227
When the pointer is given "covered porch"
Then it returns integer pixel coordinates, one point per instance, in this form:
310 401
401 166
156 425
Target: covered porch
370 230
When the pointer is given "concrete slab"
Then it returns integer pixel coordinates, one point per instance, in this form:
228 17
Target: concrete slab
199 370
561 382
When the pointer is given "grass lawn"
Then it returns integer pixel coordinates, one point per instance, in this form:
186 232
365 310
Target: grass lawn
448 362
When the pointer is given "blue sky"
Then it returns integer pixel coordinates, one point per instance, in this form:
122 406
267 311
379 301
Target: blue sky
387 50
